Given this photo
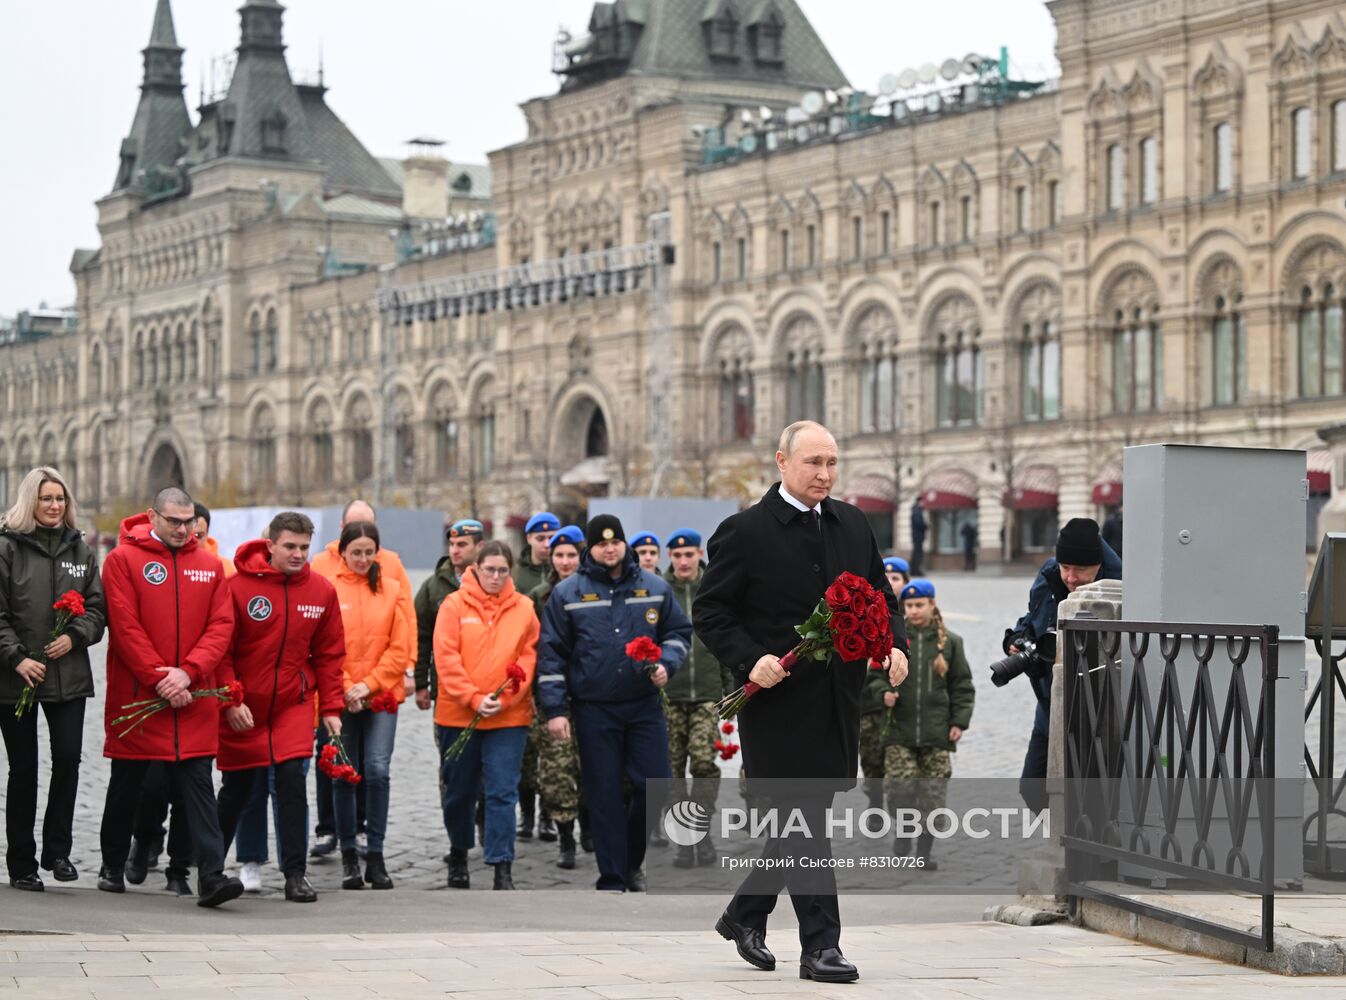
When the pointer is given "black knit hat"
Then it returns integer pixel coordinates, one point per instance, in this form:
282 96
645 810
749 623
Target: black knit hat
1079 543
603 528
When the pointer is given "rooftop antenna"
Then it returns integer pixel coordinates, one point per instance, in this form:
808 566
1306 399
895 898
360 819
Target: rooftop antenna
320 65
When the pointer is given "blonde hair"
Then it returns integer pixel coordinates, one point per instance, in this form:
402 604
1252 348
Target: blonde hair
941 664
22 517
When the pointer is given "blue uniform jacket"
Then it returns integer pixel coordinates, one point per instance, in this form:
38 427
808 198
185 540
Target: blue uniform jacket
1046 593
589 619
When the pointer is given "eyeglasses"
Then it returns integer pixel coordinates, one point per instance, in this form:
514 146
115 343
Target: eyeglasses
52 500
175 522
493 570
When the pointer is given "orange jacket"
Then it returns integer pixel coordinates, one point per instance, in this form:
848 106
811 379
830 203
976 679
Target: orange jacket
377 635
478 635
213 547
328 563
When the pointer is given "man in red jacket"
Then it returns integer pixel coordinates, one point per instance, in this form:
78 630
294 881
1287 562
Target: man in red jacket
169 626
288 644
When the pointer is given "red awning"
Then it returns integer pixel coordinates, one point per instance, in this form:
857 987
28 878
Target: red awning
949 489
1320 472
1107 490
872 494
1035 488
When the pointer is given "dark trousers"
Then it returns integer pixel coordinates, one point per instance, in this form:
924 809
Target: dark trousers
1033 780
815 907
969 560
616 738
65 729
326 825
156 795
917 556
236 788
191 781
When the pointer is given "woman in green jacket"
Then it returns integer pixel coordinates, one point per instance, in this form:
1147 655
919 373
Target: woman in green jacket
927 716
42 556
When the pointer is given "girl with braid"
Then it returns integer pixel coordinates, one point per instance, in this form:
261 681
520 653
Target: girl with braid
927 716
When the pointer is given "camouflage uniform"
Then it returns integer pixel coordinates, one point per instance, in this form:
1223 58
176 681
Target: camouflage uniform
916 777
693 728
551 766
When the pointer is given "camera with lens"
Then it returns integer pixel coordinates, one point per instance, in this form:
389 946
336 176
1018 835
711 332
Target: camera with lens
1033 658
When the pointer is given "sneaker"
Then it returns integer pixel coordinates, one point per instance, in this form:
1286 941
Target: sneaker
323 846
251 877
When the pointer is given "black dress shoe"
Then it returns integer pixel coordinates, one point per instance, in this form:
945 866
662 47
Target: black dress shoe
137 862
178 885
827 966
62 870
110 881
298 889
635 880
458 876
750 942
218 888
32 882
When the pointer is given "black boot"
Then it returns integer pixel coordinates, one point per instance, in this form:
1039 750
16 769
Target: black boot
546 829
503 878
137 862
376 872
175 881
586 836
350 870
684 857
706 853
110 880
565 857
923 844
458 877
298 889
526 818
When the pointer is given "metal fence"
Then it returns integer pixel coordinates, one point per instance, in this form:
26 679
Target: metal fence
1169 755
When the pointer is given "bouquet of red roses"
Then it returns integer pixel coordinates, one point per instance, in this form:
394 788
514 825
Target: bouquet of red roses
514 679
231 694
645 650
68 607
851 621
334 763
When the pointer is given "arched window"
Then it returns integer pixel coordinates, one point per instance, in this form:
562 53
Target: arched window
95 377
138 360
264 452
1149 170
1320 342
876 342
322 450
1339 137
484 450
1229 352
736 401
360 439
803 350
1223 160
255 342
1301 127
404 439
959 378
1137 361
1116 177
272 341
1040 378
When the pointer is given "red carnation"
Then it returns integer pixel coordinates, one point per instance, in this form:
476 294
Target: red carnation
844 623
72 601
727 728
234 692
329 754
850 646
515 677
644 649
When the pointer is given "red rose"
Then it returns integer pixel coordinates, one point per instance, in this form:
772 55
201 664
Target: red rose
844 623
850 581
878 613
850 647
869 630
837 597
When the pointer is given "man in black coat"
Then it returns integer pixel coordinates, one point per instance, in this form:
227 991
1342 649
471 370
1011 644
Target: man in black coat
769 566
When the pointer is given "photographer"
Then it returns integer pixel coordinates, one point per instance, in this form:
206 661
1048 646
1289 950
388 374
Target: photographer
1081 557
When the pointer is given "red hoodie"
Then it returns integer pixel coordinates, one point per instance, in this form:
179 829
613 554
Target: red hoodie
288 642
165 608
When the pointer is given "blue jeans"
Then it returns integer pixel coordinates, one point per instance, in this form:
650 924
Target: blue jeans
250 842
367 736
494 756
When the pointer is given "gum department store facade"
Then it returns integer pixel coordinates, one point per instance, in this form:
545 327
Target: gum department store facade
986 301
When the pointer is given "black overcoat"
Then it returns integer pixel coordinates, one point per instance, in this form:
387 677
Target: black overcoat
768 568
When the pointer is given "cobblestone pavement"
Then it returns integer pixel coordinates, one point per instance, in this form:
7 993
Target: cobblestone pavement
979 608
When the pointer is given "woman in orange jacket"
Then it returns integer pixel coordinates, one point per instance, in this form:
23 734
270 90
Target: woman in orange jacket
378 642
482 628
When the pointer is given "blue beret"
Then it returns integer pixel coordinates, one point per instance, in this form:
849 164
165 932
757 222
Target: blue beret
896 564
920 587
466 528
570 533
644 538
685 538
543 520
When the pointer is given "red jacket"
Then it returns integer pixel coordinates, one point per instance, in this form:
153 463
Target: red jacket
165 608
288 643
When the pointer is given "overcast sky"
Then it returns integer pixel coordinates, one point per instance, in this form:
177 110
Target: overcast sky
395 69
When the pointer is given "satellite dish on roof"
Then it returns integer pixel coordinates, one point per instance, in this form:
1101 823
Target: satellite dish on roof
796 116
748 144
950 69
888 84
907 79
927 73
971 62
812 102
